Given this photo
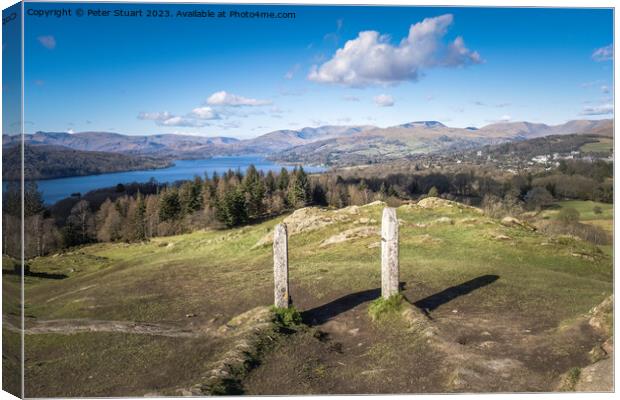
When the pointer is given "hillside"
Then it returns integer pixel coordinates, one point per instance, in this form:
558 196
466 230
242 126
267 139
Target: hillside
334 145
165 144
508 309
402 141
49 162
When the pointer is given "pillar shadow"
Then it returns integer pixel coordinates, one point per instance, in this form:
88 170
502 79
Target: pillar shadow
321 314
431 302
42 275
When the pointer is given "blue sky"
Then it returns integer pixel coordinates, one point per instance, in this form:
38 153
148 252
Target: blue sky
328 65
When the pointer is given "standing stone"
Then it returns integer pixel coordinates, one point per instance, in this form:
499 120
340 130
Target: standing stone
280 266
389 253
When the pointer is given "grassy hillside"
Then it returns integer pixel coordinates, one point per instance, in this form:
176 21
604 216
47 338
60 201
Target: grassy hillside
132 319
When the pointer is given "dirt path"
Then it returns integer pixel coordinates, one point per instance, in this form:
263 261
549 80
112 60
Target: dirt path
72 326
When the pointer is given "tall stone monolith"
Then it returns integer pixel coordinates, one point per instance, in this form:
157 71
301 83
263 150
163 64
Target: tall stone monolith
389 253
280 266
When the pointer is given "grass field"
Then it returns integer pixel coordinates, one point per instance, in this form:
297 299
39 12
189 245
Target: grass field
590 212
474 276
604 145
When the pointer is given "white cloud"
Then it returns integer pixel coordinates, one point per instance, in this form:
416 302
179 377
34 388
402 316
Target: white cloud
166 119
370 59
384 100
602 109
605 53
49 41
70 131
182 122
605 89
505 118
224 98
154 116
205 113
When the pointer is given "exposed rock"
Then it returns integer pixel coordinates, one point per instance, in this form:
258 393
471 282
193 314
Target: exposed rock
352 210
251 327
514 222
309 219
351 234
444 220
608 346
502 237
597 377
436 202
601 316
583 255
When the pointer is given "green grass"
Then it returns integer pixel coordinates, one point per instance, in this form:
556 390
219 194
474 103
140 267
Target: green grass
604 145
586 209
383 307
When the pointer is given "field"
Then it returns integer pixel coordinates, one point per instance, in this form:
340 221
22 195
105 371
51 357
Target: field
590 212
497 307
604 145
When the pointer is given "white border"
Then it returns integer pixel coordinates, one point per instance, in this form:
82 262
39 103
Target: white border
452 3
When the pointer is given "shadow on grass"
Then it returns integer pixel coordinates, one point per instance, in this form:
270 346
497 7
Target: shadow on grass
42 275
321 314
431 302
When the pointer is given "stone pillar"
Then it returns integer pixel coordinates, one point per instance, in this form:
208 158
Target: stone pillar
389 253
280 266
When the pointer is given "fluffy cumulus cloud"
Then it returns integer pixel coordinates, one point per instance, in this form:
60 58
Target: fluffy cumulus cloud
164 118
384 100
49 42
370 59
602 109
219 106
603 54
224 98
205 113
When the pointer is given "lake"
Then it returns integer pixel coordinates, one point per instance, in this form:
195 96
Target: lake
58 189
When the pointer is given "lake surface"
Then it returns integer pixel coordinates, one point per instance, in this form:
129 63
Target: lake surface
58 189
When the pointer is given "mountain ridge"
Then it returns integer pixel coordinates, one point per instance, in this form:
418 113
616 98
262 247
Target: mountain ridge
411 137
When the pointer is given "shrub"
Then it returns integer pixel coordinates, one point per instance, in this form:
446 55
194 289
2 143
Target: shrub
383 306
590 233
287 317
538 198
568 216
597 210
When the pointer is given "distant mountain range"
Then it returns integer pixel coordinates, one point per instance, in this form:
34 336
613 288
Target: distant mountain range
401 141
325 144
